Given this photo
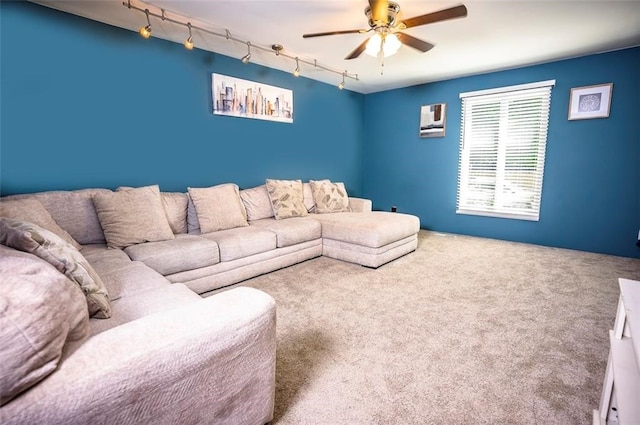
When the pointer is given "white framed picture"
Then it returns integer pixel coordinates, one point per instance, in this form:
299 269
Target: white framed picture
432 120
590 102
236 97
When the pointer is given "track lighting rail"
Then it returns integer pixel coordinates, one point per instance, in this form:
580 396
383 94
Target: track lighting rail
228 36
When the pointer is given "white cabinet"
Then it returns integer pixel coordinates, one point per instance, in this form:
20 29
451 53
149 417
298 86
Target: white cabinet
620 400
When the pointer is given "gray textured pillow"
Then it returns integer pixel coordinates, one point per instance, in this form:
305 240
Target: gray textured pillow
175 208
129 217
56 251
40 309
329 197
193 227
218 207
257 202
32 210
287 199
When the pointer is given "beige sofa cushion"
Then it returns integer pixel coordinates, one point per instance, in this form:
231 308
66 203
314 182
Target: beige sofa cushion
132 216
73 210
136 305
40 309
175 207
257 203
185 252
242 242
373 229
287 198
218 207
292 231
50 247
329 197
32 210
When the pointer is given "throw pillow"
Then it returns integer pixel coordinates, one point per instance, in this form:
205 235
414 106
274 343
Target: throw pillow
218 207
129 217
329 197
287 199
54 250
175 207
257 202
32 210
40 309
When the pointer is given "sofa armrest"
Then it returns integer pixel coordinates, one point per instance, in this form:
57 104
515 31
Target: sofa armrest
210 361
359 204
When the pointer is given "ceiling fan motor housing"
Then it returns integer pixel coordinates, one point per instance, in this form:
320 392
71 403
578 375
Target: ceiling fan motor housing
392 12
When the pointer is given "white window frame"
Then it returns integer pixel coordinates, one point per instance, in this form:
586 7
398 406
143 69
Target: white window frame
487 190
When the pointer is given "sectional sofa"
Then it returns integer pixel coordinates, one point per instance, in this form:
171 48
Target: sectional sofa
122 327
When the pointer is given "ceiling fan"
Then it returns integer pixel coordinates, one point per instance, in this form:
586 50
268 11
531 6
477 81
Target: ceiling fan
387 37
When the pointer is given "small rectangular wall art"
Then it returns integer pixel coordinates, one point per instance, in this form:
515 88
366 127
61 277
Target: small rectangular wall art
590 102
236 97
432 120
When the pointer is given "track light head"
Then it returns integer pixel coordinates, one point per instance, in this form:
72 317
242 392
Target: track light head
246 58
341 85
188 43
145 31
277 48
296 72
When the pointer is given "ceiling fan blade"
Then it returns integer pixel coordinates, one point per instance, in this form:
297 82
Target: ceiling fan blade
416 43
358 50
429 18
379 10
321 34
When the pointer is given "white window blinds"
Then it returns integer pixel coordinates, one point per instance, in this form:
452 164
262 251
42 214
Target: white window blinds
502 149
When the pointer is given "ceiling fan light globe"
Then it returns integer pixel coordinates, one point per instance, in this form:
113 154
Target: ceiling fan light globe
373 45
391 45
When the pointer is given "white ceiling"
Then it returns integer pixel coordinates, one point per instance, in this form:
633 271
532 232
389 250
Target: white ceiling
495 35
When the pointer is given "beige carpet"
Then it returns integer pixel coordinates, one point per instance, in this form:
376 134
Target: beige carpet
463 331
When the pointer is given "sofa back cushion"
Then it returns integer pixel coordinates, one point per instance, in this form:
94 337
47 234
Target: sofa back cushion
218 207
175 207
257 203
40 309
132 216
73 211
32 210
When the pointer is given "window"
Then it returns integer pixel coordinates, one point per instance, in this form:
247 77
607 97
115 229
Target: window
502 148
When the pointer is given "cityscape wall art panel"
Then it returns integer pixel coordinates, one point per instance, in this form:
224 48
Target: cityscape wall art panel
235 97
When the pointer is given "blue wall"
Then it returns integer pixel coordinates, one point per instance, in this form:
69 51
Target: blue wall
89 105
591 188
84 104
